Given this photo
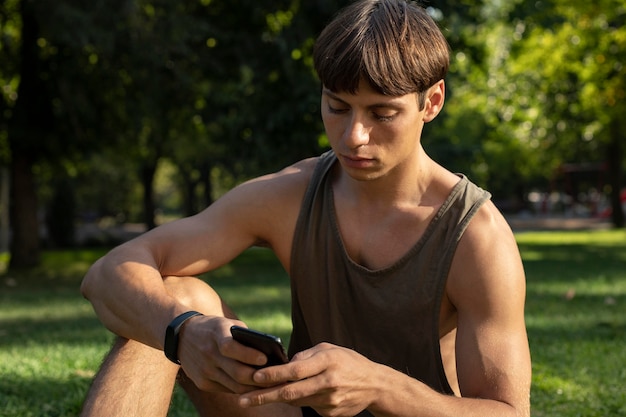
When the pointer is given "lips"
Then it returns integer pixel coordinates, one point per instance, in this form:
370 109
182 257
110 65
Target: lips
357 158
357 161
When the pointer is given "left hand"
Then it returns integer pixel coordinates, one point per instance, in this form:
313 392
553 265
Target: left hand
334 381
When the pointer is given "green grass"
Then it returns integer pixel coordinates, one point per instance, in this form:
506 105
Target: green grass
576 319
51 344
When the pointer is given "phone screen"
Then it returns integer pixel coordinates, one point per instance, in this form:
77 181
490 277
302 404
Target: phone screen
269 344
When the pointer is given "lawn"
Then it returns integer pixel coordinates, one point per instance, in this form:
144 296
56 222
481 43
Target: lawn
576 319
51 343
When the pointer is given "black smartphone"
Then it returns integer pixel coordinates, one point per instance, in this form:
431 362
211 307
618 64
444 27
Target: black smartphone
269 344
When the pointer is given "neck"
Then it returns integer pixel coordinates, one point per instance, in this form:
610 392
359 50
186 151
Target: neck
406 184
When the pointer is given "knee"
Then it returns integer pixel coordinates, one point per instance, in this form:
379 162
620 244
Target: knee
197 295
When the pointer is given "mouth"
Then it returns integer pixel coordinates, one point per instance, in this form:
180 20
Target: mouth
354 161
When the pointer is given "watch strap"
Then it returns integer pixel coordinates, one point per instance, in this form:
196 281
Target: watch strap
170 346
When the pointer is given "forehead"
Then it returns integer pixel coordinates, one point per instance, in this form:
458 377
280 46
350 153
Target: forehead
365 95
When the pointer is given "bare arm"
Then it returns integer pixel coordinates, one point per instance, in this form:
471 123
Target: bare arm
493 355
126 286
487 288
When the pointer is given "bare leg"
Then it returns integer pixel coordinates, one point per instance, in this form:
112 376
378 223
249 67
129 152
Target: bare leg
137 380
134 380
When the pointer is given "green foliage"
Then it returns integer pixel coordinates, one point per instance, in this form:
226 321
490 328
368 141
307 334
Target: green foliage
5 258
532 85
578 77
10 26
225 90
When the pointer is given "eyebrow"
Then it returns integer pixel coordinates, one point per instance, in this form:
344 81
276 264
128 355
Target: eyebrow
387 105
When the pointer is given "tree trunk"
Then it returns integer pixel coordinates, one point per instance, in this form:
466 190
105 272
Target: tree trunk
205 175
188 186
147 179
30 120
25 248
615 158
190 201
5 203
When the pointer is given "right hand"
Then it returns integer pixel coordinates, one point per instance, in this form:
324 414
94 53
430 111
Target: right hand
213 360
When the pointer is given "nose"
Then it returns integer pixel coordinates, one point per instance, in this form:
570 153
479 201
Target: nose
356 133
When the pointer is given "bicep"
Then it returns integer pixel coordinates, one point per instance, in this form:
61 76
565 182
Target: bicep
196 244
261 211
487 288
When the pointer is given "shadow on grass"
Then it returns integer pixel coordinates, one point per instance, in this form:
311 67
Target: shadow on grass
42 397
42 331
562 263
578 369
51 397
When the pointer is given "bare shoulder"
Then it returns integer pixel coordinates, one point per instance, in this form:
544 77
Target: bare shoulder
488 227
284 181
276 191
266 208
487 257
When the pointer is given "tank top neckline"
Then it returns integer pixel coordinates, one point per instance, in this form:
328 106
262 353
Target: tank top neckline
330 201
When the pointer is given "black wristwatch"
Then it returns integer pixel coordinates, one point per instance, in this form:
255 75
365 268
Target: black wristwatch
170 347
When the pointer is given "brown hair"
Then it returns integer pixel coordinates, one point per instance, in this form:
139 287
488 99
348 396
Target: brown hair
393 44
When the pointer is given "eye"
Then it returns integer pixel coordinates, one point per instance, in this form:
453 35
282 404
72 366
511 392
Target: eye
336 106
336 110
384 116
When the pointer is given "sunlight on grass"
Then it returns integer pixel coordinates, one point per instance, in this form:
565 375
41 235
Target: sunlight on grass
595 237
51 343
561 388
45 309
576 298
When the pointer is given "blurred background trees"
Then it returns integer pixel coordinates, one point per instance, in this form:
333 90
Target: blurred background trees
135 110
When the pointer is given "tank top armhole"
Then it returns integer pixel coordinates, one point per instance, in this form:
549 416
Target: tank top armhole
324 164
447 263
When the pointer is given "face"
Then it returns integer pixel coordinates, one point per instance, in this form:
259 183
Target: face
372 134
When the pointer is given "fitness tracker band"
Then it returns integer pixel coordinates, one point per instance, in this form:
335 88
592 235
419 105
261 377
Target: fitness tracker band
170 347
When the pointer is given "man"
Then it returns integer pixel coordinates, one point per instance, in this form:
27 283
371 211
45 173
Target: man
407 286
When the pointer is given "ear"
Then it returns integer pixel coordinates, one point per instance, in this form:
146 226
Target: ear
434 101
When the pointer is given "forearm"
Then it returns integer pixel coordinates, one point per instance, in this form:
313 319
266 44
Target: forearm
129 297
400 395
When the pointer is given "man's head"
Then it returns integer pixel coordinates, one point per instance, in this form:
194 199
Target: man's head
392 44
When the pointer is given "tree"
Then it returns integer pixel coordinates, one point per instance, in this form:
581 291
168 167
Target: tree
575 96
533 86
31 120
50 101
9 32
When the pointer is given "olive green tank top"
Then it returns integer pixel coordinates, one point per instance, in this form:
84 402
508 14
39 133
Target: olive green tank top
389 315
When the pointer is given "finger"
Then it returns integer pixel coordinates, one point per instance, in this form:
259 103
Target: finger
295 393
221 381
244 354
239 372
303 365
270 395
319 349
